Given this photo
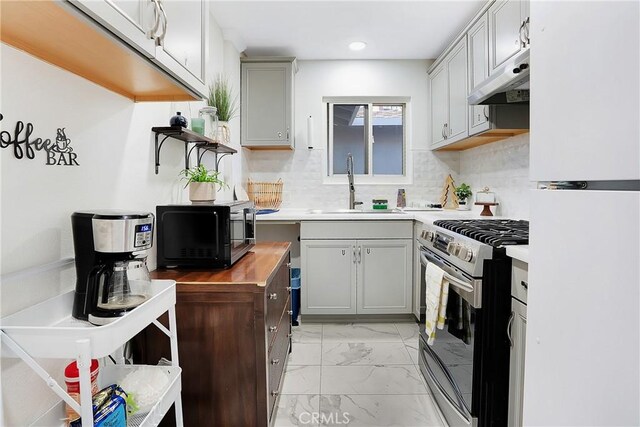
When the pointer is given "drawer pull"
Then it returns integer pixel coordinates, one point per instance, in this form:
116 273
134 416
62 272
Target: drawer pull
524 284
289 312
275 393
273 296
273 329
275 361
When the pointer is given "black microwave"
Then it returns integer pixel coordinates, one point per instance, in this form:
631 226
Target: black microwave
208 235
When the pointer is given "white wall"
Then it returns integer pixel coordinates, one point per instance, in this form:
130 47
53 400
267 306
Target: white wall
114 144
503 166
302 169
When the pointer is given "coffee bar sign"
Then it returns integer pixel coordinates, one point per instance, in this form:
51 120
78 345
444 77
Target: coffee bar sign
58 152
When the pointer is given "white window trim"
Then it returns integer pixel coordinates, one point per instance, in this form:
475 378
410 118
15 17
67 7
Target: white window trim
392 180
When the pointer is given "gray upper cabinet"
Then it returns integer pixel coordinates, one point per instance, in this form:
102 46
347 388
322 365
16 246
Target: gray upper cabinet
478 47
132 21
181 45
267 103
449 106
439 104
508 29
170 34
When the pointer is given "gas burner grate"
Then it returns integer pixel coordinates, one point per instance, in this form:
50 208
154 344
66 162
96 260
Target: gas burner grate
494 232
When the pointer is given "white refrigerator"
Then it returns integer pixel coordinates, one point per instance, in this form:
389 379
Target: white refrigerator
582 363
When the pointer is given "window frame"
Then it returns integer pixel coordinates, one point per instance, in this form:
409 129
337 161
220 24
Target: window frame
330 178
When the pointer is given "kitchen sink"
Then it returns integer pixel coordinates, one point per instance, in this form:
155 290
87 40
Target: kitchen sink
353 211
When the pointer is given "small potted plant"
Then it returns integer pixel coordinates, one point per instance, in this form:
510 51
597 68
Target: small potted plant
463 192
202 184
221 97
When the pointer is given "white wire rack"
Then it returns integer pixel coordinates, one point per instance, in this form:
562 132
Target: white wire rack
47 330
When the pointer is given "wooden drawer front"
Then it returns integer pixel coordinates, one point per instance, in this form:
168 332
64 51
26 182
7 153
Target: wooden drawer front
519 280
277 302
276 360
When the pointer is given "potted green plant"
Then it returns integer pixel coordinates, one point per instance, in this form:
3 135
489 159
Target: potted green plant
463 192
202 184
221 97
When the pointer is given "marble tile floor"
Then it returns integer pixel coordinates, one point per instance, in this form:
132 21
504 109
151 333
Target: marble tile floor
357 374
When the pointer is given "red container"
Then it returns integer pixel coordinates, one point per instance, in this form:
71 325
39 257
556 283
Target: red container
72 379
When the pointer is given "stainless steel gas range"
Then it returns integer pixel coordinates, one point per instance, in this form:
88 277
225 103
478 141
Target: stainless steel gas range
467 367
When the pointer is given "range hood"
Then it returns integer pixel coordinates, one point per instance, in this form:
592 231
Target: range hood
509 84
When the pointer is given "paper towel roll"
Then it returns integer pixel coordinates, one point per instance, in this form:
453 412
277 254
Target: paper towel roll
310 132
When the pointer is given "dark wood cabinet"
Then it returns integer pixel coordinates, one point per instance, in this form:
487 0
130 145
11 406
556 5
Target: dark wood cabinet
234 335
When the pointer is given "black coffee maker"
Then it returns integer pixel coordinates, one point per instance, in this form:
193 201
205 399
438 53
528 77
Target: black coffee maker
110 257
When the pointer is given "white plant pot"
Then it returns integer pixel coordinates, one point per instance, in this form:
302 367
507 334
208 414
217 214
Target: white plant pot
463 206
224 133
202 192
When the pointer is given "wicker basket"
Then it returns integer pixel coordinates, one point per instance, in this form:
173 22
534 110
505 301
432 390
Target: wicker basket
265 195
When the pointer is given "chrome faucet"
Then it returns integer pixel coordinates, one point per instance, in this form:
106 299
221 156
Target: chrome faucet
352 189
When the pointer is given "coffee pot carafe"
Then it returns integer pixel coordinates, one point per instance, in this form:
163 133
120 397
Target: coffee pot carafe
117 287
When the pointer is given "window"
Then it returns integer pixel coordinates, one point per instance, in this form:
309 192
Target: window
375 135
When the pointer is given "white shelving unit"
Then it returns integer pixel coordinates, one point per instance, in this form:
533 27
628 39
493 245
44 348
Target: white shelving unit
47 330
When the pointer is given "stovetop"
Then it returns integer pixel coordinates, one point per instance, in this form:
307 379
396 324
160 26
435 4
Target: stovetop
494 232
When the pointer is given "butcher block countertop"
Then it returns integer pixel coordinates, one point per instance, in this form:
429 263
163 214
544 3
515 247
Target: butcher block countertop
255 268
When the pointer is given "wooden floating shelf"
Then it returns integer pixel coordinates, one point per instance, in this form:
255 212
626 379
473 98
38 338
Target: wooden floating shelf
482 139
201 143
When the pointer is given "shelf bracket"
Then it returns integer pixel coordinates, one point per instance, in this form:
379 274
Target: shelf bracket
158 148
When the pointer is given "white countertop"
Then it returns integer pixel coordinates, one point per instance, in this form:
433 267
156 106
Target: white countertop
519 252
427 217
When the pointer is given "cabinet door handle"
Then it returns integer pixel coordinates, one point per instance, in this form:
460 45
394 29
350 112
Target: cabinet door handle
289 289
522 42
164 24
355 258
287 134
360 254
273 329
275 361
509 324
485 111
446 132
290 312
275 392
443 132
279 134
273 296
524 284
151 34
288 265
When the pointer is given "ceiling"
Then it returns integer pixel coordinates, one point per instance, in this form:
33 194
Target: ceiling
311 29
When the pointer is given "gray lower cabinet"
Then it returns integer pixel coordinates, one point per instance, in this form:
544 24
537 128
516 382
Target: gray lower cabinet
517 335
328 276
353 267
266 108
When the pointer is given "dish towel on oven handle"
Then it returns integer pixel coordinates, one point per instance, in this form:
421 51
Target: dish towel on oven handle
437 293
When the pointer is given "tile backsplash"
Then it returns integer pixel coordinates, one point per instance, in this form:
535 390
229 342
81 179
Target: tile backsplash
302 170
502 166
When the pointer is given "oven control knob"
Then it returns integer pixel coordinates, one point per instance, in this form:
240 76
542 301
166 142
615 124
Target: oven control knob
453 248
430 236
423 234
465 253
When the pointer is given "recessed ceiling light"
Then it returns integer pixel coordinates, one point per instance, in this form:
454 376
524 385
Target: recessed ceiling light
357 45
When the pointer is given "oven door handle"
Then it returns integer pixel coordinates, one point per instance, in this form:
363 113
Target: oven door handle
425 259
